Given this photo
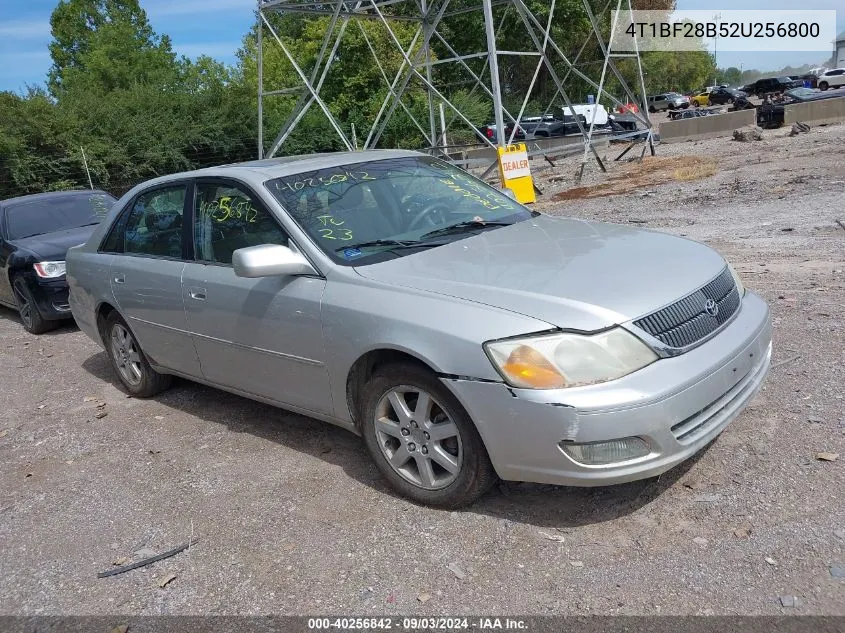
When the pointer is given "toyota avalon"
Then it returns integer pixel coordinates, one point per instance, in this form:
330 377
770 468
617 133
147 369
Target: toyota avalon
462 335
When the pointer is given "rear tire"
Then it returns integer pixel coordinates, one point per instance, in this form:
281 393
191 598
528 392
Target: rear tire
421 438
31 318
129 361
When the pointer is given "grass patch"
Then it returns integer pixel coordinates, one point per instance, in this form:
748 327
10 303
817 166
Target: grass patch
651 171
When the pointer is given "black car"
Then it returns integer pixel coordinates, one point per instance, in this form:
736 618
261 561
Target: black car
771 85
35 233
723 95
536 127
770 113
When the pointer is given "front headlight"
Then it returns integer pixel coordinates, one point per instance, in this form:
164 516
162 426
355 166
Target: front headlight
49 270
739 287
556 361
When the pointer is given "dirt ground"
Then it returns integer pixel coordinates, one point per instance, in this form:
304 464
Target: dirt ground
292 518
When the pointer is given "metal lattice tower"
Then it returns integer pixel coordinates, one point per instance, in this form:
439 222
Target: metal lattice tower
418 62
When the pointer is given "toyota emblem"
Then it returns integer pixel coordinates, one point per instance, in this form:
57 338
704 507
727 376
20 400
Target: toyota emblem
711 307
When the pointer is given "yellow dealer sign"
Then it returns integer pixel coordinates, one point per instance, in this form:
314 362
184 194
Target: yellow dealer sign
515 172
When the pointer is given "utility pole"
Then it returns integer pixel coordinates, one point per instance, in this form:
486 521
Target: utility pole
716 18
85 162
260 83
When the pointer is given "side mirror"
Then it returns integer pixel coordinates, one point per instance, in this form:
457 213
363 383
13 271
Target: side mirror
508 192
269 260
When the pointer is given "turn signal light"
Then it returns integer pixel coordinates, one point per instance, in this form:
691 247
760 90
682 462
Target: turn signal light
529 368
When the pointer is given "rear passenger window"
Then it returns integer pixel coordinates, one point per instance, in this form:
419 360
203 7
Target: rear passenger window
227 218
154 225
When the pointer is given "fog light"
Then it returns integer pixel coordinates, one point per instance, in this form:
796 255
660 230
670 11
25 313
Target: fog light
600 453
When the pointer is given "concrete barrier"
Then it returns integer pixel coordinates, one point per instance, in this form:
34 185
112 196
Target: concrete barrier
815 112
553 147
706 126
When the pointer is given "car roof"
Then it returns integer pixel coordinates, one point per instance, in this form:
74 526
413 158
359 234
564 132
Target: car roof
286 165
52 195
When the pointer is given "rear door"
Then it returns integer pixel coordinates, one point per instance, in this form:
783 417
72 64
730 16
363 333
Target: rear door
149 243
260 336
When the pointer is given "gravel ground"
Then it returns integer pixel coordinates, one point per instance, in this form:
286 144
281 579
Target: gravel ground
293 519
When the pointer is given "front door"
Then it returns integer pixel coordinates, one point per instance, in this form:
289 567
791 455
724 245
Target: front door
146 278
261 336
6 295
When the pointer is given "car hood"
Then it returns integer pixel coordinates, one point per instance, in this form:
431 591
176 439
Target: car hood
569 273
53 246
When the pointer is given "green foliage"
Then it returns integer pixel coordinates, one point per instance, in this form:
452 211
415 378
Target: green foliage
731 76
117 88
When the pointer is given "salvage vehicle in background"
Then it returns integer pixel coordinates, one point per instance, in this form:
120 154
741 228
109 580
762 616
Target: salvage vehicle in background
772 85
461 334
667 101
834 78
770 115
700 99
722 96
35 233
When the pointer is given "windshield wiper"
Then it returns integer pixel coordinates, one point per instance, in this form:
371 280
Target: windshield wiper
393 243
462 227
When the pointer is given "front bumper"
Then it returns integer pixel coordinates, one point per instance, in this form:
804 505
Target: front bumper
676 405
51 296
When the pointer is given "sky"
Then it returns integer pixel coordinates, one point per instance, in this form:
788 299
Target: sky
196 27
216 27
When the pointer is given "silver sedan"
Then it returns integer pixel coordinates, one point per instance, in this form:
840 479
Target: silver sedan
462 335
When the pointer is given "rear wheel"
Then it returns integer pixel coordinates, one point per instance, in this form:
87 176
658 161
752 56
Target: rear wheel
129 361
422 440
31 318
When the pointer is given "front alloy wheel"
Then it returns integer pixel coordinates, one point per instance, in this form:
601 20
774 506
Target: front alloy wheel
31 317
421 438
417 437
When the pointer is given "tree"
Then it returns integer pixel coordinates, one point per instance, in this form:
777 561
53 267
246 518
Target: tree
731 76
105 43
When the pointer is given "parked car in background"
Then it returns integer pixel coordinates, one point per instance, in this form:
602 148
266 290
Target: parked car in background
771 85
461 334
690 114
771 114
667 101
722 96
561 125
35 233
700 99
834 78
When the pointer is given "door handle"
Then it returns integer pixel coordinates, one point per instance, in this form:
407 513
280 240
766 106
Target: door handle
197 293
119 278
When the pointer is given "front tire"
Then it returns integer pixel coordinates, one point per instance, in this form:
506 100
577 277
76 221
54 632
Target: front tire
31 317
421 438
824 85
129 361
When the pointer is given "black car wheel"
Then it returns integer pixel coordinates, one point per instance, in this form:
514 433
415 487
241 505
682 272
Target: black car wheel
422 439
823 85
129 360
31 317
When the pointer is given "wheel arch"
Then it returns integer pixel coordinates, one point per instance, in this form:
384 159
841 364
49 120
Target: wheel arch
365 366
103 311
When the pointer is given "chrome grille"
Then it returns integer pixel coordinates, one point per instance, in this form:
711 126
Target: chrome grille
687 321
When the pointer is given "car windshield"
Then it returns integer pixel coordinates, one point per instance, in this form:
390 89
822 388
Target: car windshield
51 214
800 93
368 212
